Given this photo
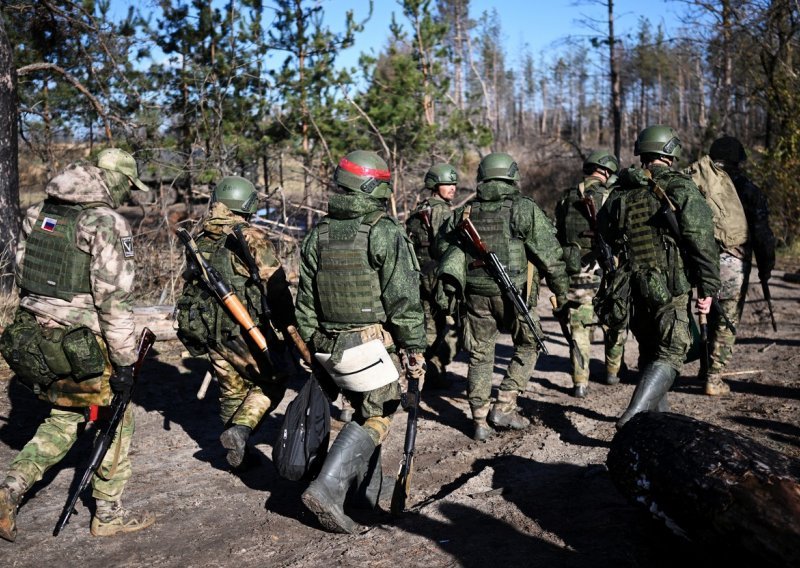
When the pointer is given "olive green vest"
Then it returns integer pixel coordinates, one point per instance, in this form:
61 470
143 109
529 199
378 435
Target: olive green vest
53 265
421 234
645 238
492 220
348 287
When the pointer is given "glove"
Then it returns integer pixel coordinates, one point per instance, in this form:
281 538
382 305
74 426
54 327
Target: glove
415 368
121 380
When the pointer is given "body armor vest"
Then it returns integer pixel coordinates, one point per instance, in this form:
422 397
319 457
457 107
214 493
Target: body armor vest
53 264
646 239
421 233
348 287
492 220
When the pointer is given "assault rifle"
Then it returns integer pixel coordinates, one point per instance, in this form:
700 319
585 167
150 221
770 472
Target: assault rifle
410 401
214 282
600 244
492 265
106 436
704 339
768 298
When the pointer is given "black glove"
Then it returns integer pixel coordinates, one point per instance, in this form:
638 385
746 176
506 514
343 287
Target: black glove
121 380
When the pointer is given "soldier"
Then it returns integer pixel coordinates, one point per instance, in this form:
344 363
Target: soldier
575 226
73 340
357 304
250 384
735 264
423 225
519 232
665 253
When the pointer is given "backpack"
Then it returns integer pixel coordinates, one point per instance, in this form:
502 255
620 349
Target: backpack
302 443
730 223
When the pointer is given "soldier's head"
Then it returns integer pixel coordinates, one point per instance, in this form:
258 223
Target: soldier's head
727 151
442 179
364 172
601 164
120 174
658 144
498 166
238 194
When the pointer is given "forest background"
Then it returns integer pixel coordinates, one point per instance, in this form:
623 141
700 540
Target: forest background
198 90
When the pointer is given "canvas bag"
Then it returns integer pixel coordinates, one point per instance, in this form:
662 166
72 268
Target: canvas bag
302 443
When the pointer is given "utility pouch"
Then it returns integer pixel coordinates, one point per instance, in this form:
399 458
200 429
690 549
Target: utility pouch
652 286
19 345
362 368
53 351
612 301
83 353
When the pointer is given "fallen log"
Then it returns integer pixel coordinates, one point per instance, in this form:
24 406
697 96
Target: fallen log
711 485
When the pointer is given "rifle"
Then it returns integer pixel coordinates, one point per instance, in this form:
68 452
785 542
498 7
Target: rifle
410 401
213 280
568 334
489 261
704 339
106 436
600 244
768 298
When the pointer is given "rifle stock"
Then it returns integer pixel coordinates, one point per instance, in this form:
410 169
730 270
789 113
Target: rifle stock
600 244
494 268
768 298
402 484
106 437
568 335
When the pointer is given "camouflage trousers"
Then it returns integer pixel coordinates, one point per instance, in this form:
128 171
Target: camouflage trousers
663 332
485 317
442 338
582 322
733 274
57 434
242 401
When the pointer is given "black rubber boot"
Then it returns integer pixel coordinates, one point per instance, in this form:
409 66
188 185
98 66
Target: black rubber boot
234 439
651 392
348 460
369 484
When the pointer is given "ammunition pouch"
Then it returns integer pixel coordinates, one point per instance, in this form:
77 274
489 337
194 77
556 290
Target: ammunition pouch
361 368
651 286
194 314
612 301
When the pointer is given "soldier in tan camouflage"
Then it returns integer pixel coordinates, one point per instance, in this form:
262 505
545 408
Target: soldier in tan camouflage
73 341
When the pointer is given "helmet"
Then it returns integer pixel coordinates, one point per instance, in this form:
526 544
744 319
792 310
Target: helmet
498 166
440 174
727 149
116 160
602 158
237 193
364 172
658 139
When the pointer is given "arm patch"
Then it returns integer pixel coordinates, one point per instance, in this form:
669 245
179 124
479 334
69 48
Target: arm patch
127 246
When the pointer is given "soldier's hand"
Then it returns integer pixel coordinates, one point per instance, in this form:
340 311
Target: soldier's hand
121 380
704 305
305 366
415 367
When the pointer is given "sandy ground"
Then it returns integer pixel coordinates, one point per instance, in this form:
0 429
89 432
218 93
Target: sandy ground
540 497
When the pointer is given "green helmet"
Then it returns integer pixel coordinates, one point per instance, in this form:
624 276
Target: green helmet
498 166
602 158
440 174
365 172
116 160
727 149
658 139
237 193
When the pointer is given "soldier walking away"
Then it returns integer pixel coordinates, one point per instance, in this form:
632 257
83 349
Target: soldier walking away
576 220
669 241
251 384
518 231
423 225
73 341
736 262
357 305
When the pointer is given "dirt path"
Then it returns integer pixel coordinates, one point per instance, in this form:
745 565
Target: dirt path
539 498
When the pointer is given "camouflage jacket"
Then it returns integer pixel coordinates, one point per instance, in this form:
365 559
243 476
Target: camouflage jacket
424 237
529 222
106 236
390 254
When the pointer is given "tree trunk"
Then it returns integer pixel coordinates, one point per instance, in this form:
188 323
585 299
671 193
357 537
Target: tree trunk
9 167
616 105
711 485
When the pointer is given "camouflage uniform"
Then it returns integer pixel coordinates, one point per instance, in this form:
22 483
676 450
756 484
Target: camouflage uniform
572 225
439 327
105 236
488 311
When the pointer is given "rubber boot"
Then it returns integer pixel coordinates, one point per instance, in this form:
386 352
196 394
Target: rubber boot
482 429
580 390
112 518
612 378
347 461
504 413
234 439
370 483
651 392
715 386
11 492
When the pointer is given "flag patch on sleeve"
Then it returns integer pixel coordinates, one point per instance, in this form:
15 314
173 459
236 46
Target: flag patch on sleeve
49 224
127 247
